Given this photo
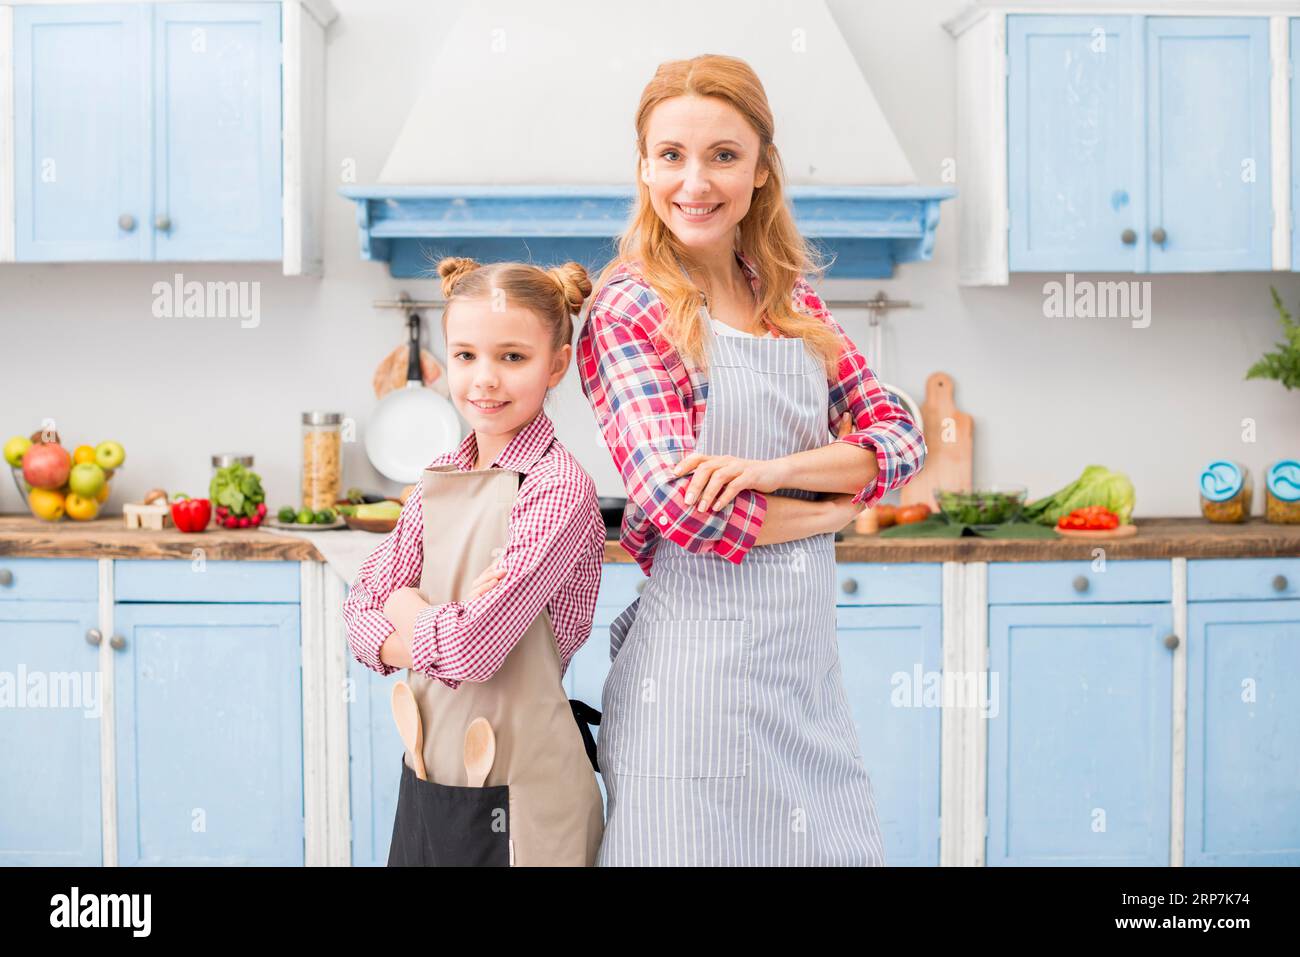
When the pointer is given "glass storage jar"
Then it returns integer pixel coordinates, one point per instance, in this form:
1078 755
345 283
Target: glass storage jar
1225 492
322 459
1282 492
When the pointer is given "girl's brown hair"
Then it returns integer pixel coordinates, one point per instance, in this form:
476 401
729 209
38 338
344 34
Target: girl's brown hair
767 233
554 295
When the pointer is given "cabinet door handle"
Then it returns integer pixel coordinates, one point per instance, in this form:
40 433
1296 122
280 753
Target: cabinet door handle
1171 642
1279 583
6 577
1158 236
162 223
117 642
1081 583
126 222
849 586
94 636
1128 237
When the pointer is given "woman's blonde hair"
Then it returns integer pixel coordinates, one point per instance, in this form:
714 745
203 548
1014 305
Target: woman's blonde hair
767 234
554 295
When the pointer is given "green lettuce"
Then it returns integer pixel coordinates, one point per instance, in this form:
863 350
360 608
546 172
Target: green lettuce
1097 485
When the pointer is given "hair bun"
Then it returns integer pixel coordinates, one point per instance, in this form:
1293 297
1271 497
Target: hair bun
574 283
453 269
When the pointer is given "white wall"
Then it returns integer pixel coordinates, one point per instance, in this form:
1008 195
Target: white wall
1048 396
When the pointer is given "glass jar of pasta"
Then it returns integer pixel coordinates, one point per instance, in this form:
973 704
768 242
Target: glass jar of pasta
322 459
1225 492
1282 488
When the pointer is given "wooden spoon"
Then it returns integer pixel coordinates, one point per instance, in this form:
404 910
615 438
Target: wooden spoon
480 751
407 715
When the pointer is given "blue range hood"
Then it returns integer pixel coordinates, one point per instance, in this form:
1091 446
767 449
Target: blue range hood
868 230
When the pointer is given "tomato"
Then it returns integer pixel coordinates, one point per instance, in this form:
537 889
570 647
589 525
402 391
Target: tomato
913 513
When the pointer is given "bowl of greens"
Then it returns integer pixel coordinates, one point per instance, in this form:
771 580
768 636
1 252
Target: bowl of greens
988 506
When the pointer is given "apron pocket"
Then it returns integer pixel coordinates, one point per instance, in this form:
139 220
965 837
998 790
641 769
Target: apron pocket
684 700
438 825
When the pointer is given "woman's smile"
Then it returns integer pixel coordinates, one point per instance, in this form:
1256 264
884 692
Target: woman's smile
488 406
697 213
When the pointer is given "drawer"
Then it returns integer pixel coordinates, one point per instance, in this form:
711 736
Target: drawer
1242 579
221 581
1050 583
909 583
49 579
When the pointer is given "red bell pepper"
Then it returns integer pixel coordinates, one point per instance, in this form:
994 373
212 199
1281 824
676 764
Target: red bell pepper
190 514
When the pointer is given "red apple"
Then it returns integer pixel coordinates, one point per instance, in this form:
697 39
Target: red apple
46 466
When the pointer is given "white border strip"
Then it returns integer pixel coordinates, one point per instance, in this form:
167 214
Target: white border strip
1279 39
108 718
1178 763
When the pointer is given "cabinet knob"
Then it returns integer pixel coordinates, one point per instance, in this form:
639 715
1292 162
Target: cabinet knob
1171 642
1279 583
126 222
1158 236
849 586
1081 583
6 577
640 586
117 642
162 223
94 636
1129 237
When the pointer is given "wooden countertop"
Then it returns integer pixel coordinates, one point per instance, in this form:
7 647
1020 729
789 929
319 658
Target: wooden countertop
23 535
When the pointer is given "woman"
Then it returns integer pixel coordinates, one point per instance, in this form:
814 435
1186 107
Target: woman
717 375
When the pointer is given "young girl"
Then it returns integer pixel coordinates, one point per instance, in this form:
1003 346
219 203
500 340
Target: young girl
492 638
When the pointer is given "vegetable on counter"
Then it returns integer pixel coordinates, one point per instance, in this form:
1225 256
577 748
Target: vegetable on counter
991 506
1097 485
190 514
237 493
1094 518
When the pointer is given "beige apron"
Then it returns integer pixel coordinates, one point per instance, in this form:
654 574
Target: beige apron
555 813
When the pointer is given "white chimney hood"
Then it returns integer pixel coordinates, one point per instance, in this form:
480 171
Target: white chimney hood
522 144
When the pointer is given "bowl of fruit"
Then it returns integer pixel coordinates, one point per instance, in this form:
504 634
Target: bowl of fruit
993 505
55 483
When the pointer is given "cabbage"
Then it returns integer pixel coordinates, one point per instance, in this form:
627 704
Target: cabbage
1097 485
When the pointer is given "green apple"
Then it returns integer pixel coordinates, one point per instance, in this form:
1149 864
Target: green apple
109 455
86 479
15 448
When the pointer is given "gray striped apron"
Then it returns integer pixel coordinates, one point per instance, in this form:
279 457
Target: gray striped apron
727 737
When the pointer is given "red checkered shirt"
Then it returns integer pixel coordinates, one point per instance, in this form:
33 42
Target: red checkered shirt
552 560
650 407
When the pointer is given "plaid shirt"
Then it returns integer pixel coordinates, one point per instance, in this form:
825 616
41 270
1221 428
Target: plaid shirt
552 560
650 408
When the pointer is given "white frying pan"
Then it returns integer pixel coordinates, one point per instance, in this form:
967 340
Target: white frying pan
411 426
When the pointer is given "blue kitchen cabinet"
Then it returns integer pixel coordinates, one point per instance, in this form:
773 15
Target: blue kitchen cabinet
890 627
148 132
51 703
1074 158
1208 158
1079 729
216 92
208 708
81 155
1243 718
1138 144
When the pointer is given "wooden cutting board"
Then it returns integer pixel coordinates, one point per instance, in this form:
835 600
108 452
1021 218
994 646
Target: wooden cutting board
948 445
